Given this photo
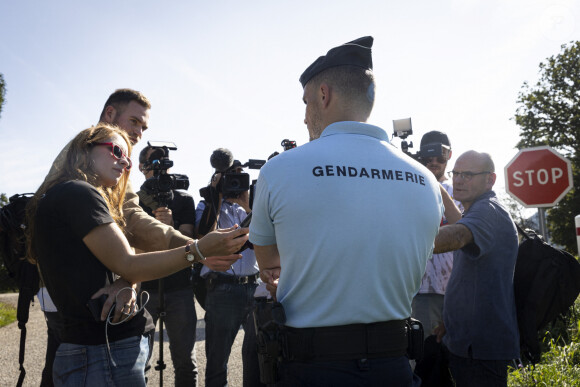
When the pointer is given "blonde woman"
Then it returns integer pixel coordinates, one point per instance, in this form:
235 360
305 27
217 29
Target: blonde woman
76 235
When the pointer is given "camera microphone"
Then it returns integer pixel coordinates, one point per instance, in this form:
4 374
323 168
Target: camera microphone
221 159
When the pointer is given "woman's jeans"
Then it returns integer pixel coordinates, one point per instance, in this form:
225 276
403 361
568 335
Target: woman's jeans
90 365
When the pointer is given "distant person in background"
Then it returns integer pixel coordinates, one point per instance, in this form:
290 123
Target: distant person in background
481 330
428 303
230 294
180 317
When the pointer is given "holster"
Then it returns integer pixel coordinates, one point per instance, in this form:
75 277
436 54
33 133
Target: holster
269 319
416 336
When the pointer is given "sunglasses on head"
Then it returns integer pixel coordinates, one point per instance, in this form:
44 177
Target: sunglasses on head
117 153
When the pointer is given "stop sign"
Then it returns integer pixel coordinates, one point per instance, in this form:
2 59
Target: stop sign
538 177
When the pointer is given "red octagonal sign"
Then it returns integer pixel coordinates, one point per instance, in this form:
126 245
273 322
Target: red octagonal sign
538 177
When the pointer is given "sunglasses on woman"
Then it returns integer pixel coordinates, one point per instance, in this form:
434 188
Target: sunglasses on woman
117 152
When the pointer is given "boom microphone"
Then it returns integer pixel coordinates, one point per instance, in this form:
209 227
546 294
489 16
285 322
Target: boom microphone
221 159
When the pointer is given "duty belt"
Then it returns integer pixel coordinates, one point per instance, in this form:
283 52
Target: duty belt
218 278
355 341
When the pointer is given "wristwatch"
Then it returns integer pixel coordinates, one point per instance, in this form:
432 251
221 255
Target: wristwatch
189 255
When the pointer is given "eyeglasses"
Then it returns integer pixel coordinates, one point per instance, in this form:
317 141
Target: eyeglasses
466 176
117 153
440 160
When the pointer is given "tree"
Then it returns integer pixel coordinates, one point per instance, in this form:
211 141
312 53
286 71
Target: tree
2 92
518 212
549 114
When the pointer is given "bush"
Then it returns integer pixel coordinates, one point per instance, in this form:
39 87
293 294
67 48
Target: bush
560 365
7 283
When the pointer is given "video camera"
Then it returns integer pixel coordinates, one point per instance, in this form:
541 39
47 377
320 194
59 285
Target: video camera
233 183
402 128
162 183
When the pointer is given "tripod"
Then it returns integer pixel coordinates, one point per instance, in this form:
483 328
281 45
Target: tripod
161 317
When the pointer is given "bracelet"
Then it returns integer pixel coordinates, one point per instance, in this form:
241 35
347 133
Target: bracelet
201 257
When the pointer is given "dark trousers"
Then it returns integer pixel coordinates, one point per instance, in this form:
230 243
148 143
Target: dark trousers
53 325
469 372
180 326
227 307
392 372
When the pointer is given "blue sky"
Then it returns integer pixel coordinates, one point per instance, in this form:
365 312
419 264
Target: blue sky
225 73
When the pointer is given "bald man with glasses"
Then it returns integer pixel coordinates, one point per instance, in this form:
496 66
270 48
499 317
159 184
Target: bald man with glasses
480 328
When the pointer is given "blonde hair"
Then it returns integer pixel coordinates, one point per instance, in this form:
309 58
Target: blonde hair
78 165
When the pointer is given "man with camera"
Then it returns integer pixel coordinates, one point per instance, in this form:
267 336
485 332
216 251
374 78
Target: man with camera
428 303
328 239
230 294
129 110
174 208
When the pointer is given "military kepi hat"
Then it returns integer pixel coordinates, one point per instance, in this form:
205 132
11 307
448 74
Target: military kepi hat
355 53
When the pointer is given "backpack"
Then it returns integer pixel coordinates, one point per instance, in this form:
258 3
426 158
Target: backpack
13 251
546 284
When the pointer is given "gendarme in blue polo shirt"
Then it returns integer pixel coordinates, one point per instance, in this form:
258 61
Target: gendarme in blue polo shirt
354 220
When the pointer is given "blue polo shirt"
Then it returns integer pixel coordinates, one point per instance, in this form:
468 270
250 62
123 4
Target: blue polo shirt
480 310
354 220
231 214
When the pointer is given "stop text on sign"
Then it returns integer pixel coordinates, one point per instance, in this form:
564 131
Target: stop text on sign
540 176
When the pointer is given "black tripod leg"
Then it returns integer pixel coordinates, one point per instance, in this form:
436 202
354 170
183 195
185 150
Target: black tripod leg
161 317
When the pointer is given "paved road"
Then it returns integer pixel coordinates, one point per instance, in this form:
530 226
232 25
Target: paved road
36 347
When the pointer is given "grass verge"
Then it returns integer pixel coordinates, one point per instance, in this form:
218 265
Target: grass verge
560 364
7 314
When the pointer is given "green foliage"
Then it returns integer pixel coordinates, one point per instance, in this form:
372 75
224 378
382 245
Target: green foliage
516 211
3 199
2 92
560 365
7 314
7 283
549 114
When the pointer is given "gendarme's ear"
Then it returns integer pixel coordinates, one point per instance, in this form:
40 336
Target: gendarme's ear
450 154
324 94
110 114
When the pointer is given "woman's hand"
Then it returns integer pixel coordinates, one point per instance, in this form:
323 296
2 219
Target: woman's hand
126 300
223 242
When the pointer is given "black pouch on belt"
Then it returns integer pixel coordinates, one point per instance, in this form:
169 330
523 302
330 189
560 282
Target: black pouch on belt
415 336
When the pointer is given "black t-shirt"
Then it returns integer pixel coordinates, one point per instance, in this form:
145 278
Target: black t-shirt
71 273
183 209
